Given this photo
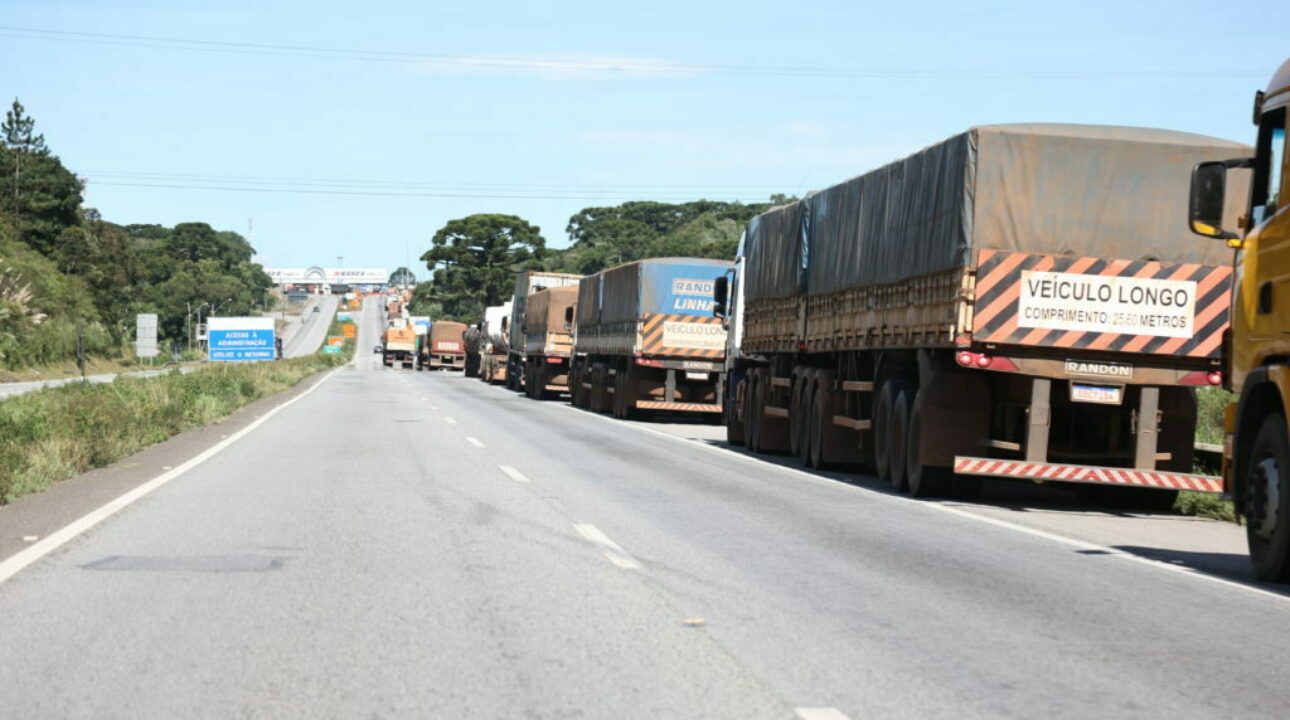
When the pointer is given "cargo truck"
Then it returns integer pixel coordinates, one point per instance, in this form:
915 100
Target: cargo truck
445 346
526 283
1256 444
400 347
647 339
1018 301
548 338
493 337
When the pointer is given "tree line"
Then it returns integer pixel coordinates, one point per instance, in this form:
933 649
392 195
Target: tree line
64 270
473 260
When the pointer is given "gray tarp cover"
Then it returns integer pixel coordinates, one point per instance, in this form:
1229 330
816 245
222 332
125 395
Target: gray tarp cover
1076 190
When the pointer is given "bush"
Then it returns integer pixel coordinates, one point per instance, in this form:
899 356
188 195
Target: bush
56 433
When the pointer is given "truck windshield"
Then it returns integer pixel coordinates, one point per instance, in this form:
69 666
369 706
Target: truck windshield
1270 168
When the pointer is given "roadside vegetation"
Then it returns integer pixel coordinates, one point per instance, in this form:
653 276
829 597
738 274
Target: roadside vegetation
57 433
473 260
67 275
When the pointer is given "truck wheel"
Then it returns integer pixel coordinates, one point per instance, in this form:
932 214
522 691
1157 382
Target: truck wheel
752 413
796 413
730 413
923 480
628 393
882 429
598 388
1267 501
898 438
801 417
817 426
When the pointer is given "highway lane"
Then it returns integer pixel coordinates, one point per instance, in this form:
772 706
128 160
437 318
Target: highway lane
419 544
309 336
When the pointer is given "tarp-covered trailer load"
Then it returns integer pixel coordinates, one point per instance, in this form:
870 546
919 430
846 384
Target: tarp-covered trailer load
494 337
1018 300
445 346
647 339
526 283
548 333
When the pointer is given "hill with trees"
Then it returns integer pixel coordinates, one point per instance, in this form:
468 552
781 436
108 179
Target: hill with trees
65 270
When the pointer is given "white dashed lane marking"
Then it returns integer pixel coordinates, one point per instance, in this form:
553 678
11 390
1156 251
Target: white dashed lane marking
616 554
475 442
513 474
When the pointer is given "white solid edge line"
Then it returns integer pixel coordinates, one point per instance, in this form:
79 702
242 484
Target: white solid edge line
450 421
15 563
820 713
616 554
474 441
513 474
941 507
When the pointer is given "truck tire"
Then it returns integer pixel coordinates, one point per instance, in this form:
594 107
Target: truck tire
801 416
1267 500
923 480
898 436
817 426
796 414
752 412
598 392
882 413
730 413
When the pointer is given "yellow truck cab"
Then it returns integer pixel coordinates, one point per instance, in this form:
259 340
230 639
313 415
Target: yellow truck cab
1256 468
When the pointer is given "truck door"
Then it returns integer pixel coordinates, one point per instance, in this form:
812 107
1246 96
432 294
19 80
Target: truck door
1266 289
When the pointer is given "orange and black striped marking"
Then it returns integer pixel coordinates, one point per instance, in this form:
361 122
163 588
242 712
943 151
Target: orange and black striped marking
998 290
652 336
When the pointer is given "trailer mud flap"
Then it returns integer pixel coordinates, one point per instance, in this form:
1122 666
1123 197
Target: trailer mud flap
677 406
1089 474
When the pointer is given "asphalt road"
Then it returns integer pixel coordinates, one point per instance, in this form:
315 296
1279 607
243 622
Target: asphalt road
402 544
312 330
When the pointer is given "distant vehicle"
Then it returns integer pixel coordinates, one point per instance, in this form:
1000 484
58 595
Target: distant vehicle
548 341
1256 467
317 309
444 346
647 339
378 349
401 346
526 283
494 343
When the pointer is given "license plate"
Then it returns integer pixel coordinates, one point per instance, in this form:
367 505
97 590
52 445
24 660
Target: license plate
1101 394
691 375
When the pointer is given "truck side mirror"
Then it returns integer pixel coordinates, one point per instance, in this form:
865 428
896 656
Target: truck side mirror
1208 196
568 318
720 295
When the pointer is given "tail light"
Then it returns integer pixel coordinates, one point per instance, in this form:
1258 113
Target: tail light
967 358
1201 377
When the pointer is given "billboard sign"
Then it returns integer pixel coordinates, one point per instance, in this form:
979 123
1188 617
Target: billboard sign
240 339
145 335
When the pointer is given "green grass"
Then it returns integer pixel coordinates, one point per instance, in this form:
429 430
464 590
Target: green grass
1205 505
57 433
1210 402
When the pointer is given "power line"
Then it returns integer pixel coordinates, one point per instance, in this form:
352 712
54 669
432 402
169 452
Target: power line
611 66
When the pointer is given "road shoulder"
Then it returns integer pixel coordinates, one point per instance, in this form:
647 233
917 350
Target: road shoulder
33 517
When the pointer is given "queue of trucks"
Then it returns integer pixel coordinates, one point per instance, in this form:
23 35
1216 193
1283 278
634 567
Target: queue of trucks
1016 301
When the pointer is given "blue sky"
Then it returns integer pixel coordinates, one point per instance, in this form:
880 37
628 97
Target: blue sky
403 115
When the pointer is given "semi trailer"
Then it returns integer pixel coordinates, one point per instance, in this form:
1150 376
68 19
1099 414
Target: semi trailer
647 339
444 346
526 283
1018 301
548 338
400 347
494 343
1256 444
